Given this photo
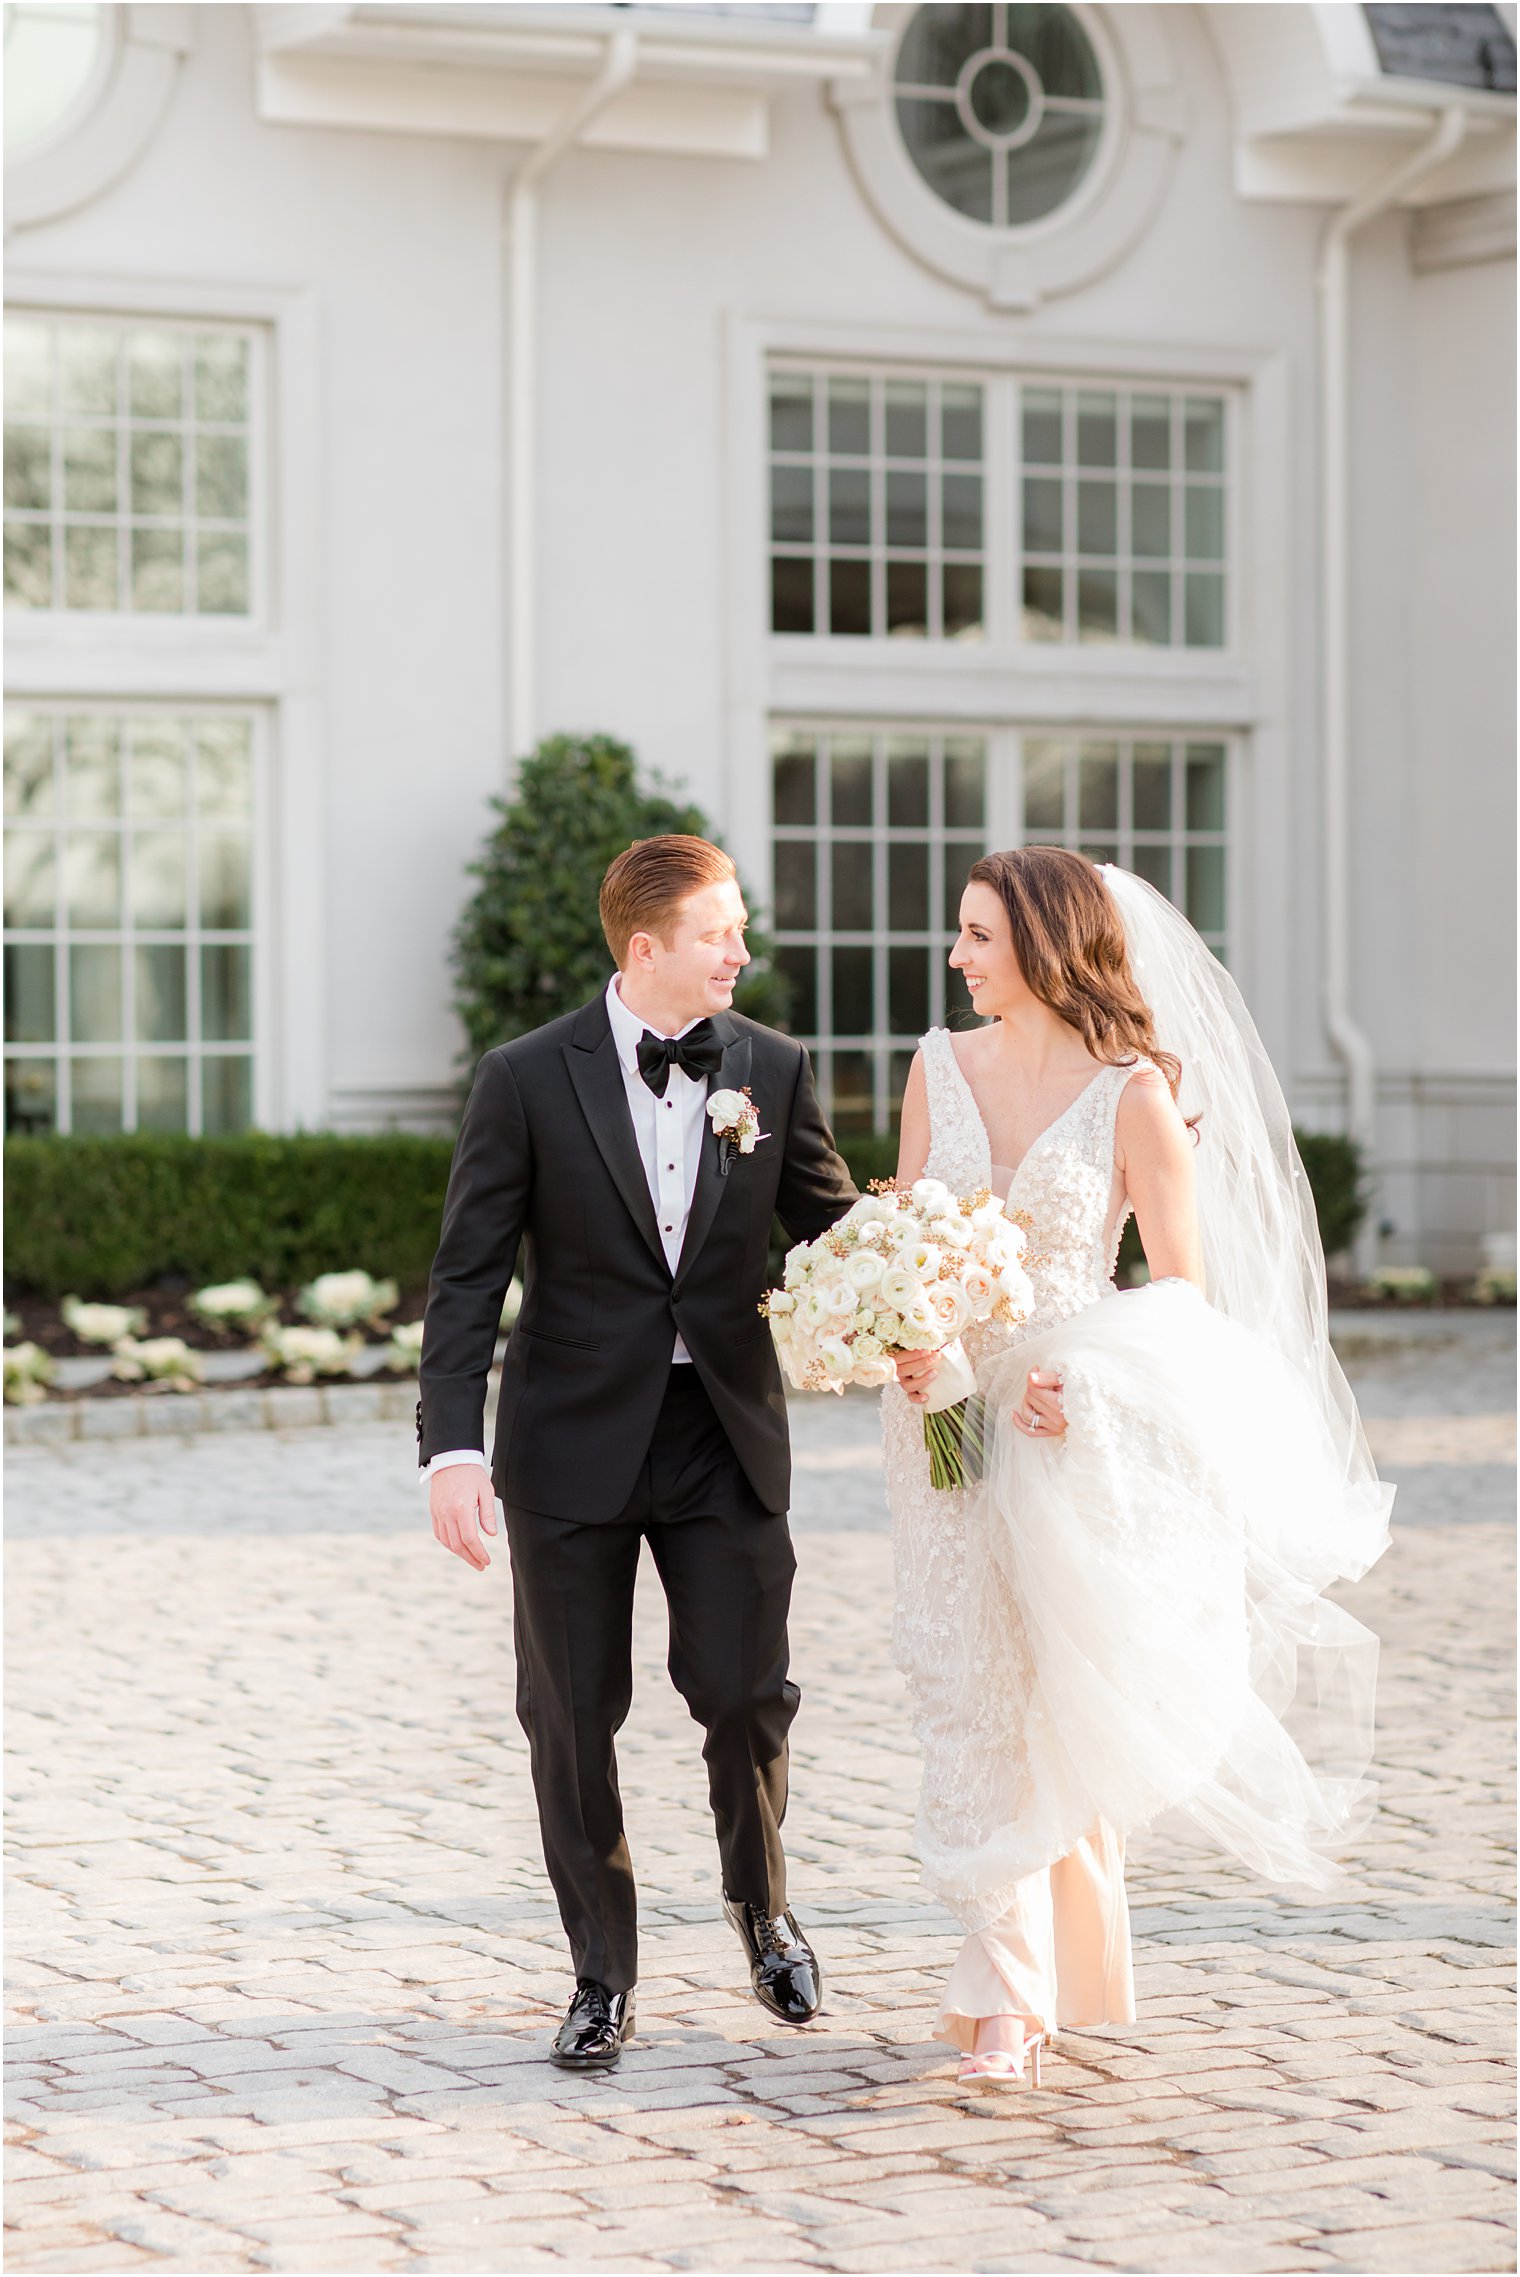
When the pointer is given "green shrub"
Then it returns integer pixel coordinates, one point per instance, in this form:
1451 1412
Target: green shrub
529 945
101 1216
1334 1167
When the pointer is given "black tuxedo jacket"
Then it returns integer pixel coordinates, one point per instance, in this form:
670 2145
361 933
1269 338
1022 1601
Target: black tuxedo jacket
547 1162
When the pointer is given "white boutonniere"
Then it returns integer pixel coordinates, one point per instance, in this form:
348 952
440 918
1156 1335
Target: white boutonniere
736 1124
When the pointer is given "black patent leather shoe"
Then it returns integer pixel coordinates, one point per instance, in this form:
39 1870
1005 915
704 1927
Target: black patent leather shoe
783 1967
596 2025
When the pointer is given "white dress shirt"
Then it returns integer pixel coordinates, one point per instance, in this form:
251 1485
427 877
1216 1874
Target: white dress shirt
669 1132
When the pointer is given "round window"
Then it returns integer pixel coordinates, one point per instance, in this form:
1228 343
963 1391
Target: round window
55 58
1001 108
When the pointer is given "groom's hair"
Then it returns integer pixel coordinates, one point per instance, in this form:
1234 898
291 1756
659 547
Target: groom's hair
647 883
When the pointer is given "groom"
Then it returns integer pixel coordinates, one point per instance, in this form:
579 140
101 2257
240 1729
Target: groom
640 1399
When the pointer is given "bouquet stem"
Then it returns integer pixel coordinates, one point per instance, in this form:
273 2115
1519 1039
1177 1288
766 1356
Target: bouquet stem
956 1440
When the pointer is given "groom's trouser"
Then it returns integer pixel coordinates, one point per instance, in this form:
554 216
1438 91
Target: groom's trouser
726 1564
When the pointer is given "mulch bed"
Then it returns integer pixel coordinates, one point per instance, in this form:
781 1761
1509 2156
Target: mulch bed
169 1315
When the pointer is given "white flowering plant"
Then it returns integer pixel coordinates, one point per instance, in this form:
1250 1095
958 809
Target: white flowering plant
347 1300
902 1272
233 1304
165 1362
28 1372
1495 1285
1405 1284
302 1354
102 1324
404 1351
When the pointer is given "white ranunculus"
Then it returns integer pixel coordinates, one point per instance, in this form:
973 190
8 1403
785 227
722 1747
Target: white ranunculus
988 1213
840 1299
815 1309
899 1287
920 1258
951 1233
864 1270
933 1197
867 1209
798 1262
921 1330
781 1302
876 1234
837 1358
889 1329
726 1106
101 1324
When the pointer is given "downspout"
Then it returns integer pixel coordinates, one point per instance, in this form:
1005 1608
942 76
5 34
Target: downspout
1350 1041
520 240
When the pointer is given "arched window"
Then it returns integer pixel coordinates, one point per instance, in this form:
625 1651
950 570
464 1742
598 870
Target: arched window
1000 107
56 61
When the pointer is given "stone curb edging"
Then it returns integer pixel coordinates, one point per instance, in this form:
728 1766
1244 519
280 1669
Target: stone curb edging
160 1415
294 1407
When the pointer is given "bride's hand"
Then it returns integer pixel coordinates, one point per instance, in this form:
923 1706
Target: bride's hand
916 1371
1042 1416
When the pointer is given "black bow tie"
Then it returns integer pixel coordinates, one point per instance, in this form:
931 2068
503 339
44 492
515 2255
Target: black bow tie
698 1051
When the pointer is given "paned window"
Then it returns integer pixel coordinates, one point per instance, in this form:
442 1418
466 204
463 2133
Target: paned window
876 505
1000 108
873 836
127 466
1155 806
1123 516
129 920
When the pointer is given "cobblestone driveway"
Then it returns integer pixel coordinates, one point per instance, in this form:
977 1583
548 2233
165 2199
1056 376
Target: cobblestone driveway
283 1956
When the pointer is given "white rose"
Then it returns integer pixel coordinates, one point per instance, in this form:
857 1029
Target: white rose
950 1306
797 1267
898 1289
933 1197
837 1358
951 1233
726 1106
868 1347
981 1290
781 1302
864 1270
864 1322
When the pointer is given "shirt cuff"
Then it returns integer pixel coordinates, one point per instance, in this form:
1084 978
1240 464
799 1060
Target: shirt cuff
454 1455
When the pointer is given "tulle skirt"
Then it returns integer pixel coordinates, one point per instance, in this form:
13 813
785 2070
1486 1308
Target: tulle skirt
1168 1560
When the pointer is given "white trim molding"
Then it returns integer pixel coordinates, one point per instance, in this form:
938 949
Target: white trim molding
1018 268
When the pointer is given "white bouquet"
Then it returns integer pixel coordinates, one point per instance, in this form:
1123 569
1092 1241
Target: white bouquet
901 1273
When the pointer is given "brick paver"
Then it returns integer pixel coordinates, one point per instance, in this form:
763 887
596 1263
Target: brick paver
283 1956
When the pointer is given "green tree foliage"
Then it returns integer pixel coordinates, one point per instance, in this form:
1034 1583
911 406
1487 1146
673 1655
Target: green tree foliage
529 944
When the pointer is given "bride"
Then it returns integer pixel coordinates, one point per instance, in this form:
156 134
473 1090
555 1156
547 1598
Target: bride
1122 1613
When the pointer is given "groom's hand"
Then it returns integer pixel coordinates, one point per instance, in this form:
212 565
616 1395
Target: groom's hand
462 1500
916 1371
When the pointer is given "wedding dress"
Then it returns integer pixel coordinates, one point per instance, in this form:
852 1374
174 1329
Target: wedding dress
1129 1620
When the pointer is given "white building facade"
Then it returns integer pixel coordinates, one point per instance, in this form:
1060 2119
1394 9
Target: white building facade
915 430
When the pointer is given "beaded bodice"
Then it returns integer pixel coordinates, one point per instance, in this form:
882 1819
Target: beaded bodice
1062 1191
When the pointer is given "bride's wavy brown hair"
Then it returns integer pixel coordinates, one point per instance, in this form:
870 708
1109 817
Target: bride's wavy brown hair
1069 939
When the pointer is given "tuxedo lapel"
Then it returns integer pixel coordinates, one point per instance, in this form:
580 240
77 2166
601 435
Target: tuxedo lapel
732 1075
592 1060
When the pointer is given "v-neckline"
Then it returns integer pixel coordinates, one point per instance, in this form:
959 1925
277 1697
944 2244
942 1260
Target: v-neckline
1040 1136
